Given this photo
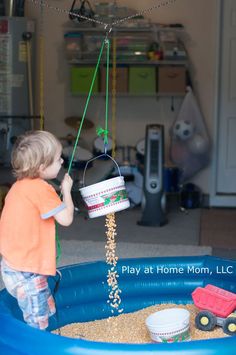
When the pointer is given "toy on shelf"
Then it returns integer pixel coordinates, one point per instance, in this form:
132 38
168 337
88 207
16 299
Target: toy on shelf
155 52
218 307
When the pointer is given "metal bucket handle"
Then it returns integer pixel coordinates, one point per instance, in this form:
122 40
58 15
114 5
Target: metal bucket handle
99 156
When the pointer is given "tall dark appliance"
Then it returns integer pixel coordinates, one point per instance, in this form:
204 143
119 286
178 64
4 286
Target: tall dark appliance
153 202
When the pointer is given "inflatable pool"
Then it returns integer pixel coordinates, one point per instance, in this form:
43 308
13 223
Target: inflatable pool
82 296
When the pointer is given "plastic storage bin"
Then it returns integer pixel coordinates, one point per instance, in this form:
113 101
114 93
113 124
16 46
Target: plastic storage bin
142 80
121 79
81 79
91 45
133 47
172 79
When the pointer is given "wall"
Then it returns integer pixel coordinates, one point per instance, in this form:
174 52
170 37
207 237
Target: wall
198 17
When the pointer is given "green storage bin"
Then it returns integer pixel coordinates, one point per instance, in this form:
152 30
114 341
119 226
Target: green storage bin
142 80
81 80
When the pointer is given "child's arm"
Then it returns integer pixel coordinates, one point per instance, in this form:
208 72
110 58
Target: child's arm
65 217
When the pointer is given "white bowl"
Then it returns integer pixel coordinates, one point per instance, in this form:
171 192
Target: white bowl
169 325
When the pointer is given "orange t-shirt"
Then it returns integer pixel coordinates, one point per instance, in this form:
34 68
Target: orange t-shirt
27 226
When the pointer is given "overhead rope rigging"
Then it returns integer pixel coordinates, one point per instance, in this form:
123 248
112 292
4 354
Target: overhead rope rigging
99 22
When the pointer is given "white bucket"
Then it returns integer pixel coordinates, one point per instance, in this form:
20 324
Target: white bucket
169 325
105 197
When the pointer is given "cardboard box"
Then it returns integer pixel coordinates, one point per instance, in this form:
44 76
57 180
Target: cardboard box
81 79
171 79
121 80
142 80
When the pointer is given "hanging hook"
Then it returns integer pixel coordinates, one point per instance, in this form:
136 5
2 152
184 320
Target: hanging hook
108 31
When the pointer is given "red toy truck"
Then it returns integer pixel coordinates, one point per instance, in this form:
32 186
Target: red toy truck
218 307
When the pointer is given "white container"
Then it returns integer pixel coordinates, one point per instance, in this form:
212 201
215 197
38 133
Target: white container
105 197
169 325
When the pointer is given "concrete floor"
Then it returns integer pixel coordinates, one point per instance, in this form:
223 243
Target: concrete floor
181 228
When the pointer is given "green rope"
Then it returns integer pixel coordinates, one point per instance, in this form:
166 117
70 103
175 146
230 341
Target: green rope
107 92
103 132
86 106
58 245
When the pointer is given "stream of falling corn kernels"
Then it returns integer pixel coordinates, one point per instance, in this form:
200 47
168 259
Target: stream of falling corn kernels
114 298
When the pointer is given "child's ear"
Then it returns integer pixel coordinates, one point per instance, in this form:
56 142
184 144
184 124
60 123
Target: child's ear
41 168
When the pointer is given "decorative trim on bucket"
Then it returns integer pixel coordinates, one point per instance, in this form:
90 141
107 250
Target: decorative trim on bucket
173 337
106 191
173 332
106 200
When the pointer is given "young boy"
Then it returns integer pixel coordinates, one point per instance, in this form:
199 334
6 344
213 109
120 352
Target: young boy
27 224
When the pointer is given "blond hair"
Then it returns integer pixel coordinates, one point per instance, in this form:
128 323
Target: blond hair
31 150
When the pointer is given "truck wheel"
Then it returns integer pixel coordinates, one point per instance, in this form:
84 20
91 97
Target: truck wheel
205 320
229 326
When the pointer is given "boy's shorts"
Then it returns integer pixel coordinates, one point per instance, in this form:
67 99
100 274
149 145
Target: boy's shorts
32 293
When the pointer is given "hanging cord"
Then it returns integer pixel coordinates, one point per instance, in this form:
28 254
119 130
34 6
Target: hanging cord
115 23
104 131
41 68
58 245
86 106
113 124
107 95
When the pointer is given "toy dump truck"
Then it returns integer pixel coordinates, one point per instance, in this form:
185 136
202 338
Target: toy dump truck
218 307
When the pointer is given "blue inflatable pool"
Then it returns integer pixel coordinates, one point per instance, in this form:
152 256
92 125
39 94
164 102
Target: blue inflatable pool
82 297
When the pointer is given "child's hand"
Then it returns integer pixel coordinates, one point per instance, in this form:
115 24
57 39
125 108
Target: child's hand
65 216
66 184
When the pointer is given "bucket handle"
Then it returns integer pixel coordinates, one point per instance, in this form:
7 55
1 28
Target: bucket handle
99 156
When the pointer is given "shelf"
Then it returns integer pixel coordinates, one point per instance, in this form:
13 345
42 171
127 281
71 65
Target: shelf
114 30
131 62
84 50
150 28
135 72
130 95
